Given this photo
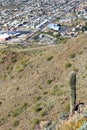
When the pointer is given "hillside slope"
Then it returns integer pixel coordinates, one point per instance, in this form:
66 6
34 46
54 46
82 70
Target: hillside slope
34 82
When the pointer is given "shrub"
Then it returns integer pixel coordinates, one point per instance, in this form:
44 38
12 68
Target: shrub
9 129
39 86
22 65
19 68
2 121
80 52
3 77
85 48
75 69
4 51
34 123
56 91
67 107
2 60
45 92
24 62
67 65
49 81
17 89
13 59
43 112
49 58
19 110
9 69
39 106
37 98
61 86
16 123
0 102
85 67
72 55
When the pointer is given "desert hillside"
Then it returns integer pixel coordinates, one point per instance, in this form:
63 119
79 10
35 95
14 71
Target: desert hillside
34 82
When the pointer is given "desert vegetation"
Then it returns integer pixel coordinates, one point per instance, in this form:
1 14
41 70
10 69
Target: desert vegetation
34 83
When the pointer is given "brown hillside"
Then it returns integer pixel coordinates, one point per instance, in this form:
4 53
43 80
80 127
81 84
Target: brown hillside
34 82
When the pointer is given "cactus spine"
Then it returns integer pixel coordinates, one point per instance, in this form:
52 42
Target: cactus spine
72 83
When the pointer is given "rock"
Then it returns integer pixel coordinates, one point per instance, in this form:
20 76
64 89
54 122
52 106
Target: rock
45 124
64 116
37 127
42 125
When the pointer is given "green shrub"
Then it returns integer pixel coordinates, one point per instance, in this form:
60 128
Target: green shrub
80 52
13 59
85 67
19 110
49 58
39 86
2 121
19 68
75 69
9 69
22 65
24 62
39 106
67 65
45 92
56 91
85 48
3 77
67 107
4 51
43 112
17 89
72 55
61 86
16 123
49 81
37 98
2 60
9 129
0 102
34 123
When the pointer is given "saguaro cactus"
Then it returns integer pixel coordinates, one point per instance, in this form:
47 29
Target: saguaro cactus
72 83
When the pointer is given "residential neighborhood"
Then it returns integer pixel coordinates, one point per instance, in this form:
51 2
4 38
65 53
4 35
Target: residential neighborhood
21 21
